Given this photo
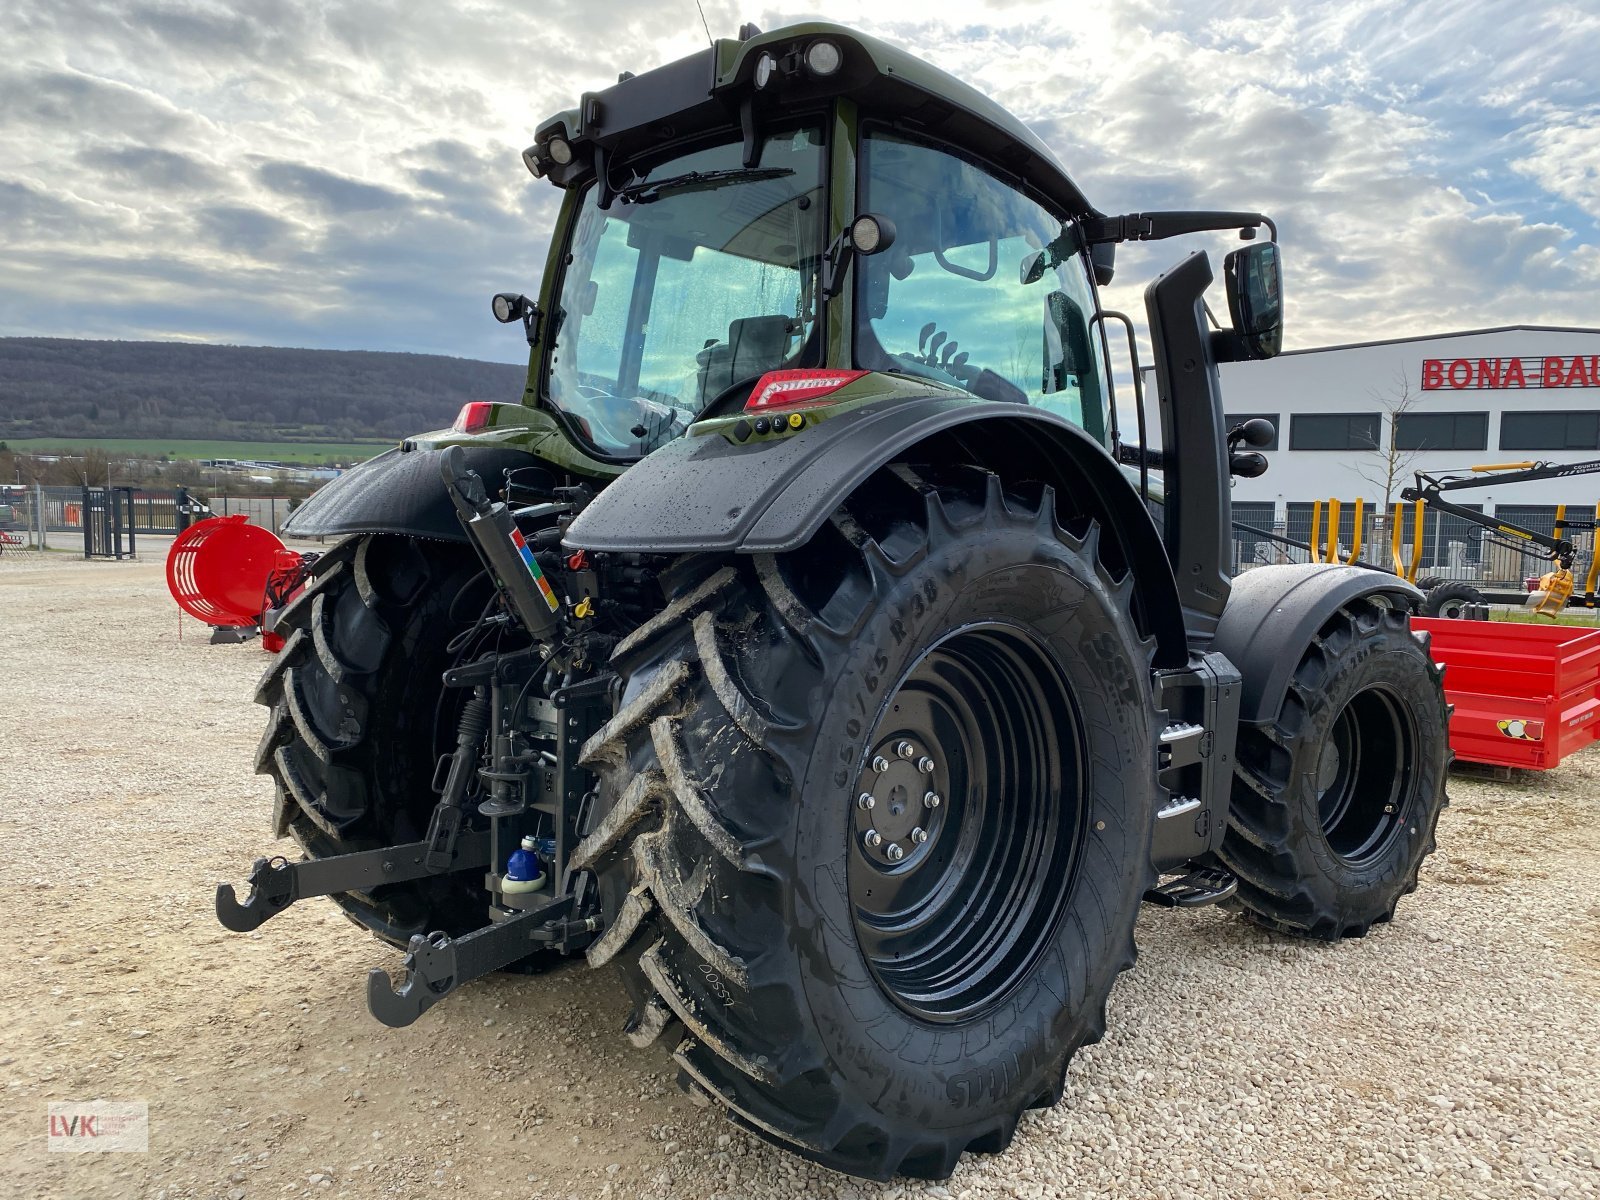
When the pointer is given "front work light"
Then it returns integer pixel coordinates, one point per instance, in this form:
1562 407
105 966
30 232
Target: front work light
508 307
823 58
870 233
560 151
765 66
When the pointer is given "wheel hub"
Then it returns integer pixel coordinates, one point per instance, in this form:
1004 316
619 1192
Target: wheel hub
900 798
968 814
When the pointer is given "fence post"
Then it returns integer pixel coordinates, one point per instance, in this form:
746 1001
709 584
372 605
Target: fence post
38 512
88 526
133 542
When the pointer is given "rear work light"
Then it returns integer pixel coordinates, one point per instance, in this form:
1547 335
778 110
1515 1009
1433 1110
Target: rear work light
797 389
473 416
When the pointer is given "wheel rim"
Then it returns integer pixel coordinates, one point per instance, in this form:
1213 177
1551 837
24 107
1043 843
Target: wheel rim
968 818
1364 776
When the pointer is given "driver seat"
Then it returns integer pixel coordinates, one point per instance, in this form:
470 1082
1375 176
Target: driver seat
755 346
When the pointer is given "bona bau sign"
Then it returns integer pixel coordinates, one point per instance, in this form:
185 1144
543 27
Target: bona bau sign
1475 374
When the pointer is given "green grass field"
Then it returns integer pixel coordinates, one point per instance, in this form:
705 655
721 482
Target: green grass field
177 448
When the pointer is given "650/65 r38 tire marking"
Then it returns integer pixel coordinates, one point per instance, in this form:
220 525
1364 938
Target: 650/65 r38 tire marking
881 1011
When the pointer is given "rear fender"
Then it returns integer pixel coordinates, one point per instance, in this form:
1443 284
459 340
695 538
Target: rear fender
400 491
1274 612
704 493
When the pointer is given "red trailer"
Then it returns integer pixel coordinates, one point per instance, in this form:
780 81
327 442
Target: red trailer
1524 695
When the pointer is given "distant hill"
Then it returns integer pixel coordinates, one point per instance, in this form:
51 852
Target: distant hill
65 387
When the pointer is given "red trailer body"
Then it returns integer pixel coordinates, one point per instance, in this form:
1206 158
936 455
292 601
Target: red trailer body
1524 695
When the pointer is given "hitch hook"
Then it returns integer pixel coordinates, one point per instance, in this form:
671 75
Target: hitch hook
271 891
399 1007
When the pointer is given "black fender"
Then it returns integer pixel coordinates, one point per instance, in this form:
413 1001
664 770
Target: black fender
1272 615
706 494
399 491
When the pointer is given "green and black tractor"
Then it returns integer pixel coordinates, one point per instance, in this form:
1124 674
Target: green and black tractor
809 647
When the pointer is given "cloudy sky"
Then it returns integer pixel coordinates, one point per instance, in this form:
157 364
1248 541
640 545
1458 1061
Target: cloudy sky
346 175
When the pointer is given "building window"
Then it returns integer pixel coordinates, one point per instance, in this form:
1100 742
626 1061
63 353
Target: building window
1550 430
1333 431
1441 431
1234 420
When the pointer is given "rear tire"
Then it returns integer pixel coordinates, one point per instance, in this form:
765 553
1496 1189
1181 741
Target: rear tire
357 705
874 1013
1335 803
1450 599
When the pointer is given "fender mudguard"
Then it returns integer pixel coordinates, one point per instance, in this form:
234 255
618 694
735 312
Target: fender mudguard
400 491
706 494
1272 615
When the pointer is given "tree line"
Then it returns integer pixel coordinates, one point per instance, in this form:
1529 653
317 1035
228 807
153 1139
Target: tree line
68 387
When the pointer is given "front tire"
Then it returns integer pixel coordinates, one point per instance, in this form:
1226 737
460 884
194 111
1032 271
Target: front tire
876 1012
1451 599
1335 803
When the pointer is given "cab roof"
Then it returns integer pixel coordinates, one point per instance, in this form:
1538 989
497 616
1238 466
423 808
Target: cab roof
717 88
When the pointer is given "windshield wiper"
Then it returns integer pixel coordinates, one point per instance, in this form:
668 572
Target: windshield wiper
697 181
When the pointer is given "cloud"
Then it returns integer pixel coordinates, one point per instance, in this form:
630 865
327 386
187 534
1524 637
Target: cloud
347 174
325 190
150 167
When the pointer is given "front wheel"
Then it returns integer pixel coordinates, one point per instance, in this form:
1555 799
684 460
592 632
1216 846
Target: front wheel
1335 803
874 823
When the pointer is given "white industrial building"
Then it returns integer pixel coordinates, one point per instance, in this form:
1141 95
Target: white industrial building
1355 419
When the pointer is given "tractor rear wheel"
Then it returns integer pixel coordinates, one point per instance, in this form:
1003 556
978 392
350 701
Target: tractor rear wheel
873 822
1335 803
359 716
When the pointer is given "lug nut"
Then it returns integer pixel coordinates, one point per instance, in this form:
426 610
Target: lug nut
866 801
872 838
880 764
932 799
925 765
905 749
894 852
919 835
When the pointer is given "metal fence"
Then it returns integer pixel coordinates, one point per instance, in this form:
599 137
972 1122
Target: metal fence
106 522
269 512
1452 548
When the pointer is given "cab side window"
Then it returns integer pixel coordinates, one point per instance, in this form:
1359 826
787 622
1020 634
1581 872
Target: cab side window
983 288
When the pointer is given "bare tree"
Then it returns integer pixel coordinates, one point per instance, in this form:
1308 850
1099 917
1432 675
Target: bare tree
1385 465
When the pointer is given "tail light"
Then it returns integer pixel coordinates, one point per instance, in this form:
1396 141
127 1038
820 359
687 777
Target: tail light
797 389
473 416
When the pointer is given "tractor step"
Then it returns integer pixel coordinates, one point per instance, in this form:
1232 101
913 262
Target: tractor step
1200 887
276 883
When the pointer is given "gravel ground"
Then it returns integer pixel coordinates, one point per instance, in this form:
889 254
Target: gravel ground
1452 1054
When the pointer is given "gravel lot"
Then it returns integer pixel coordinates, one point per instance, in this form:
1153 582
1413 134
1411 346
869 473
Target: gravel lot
1452 1054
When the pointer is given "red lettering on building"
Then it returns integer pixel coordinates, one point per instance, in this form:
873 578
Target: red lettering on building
1530 371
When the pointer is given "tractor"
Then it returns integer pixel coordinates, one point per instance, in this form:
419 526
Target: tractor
809 647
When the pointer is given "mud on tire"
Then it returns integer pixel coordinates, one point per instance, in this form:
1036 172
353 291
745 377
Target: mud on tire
355 702
729 842
1335 803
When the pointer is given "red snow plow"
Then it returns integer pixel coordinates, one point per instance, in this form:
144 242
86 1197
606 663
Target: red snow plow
234 576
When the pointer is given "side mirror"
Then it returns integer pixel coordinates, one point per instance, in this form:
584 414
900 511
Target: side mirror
1255 299
1103 258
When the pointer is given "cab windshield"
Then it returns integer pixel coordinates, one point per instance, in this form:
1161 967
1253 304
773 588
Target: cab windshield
701 276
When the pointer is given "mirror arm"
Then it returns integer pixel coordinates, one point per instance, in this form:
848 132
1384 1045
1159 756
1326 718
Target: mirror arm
1153 226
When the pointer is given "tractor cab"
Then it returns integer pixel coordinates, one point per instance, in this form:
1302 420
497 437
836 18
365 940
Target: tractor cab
804 223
